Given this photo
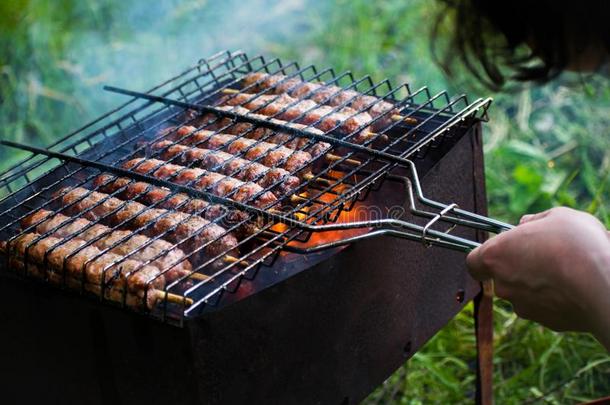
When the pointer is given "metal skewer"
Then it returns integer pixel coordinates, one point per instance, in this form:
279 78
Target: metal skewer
408 120
312 177
173 298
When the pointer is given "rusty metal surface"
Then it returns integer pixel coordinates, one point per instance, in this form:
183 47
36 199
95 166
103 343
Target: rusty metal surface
330 334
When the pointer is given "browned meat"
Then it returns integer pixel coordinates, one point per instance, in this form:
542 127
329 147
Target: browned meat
215 183
148 194
280 180
149 301
117 275
163 255
269 154
191 233
306 112
162 197
226 125
323 94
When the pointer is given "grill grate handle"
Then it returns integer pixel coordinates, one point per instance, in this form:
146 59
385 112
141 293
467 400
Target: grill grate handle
407 230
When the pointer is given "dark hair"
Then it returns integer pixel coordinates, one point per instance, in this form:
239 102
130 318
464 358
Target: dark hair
491 37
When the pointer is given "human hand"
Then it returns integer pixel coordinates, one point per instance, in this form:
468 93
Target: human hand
554 268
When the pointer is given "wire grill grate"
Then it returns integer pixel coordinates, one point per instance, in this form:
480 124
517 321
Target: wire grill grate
219 232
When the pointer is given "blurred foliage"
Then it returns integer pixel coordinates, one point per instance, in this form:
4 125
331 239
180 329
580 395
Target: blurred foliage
545 146
42 89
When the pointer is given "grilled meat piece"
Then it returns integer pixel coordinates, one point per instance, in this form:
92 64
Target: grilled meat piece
307 112
229 126
215 183
163 255
192 233
88 264
269 154
148 194
324 94
280 180
147 301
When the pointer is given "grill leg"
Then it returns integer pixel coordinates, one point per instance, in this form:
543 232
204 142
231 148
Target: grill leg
483 312
483 303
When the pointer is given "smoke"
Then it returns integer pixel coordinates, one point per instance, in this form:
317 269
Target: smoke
148 42
55 57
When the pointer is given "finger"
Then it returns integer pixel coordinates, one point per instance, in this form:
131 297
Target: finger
476 266
527 309
533 217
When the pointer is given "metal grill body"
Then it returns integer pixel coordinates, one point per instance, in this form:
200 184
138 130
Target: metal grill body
333 332
325 335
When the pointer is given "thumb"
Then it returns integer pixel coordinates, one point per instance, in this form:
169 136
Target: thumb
476 266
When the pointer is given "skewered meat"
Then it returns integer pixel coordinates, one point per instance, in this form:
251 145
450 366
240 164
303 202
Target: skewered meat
323 94
306 112
229 126
215 183
153 297
191 233
167 259
148 194
278 179
269 154
113 272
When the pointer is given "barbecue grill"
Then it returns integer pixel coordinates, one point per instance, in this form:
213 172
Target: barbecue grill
308 292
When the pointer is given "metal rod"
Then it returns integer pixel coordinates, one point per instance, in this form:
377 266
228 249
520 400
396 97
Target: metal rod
465 246
262 122
499 225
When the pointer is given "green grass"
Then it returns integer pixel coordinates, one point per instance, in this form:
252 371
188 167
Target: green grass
544 146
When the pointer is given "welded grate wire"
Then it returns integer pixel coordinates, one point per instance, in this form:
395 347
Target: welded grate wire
333 187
